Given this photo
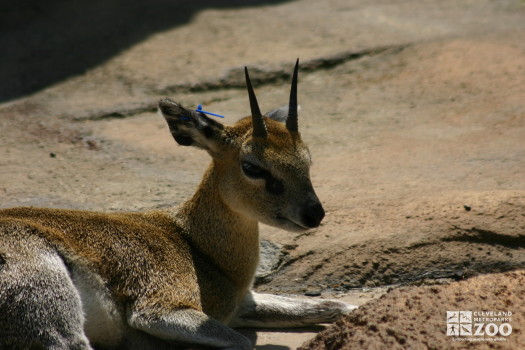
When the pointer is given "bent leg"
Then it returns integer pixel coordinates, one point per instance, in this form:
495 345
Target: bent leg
267 310
39 306
190 327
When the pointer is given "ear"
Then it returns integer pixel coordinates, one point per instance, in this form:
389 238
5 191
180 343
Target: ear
192 128
280 114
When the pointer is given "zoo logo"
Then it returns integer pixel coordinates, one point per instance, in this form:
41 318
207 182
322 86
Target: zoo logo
469 323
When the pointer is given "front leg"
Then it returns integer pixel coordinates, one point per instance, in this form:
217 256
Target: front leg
274 311
190 327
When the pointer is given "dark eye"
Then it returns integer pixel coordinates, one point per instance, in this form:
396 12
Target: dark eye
252 170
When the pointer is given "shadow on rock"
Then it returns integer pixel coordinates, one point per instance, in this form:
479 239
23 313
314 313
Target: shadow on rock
46 42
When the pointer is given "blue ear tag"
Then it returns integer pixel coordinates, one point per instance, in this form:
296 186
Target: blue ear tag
199 109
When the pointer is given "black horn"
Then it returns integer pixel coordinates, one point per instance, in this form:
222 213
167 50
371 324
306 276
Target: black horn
291 121
259 127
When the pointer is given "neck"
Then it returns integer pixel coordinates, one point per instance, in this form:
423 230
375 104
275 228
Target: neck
230 240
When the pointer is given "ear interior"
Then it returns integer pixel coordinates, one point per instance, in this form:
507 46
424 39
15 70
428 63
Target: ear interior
189 127
176 116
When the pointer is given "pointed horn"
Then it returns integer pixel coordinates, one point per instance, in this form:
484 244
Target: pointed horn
259 127
291 120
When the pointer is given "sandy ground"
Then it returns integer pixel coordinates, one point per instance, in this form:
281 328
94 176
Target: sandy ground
414 113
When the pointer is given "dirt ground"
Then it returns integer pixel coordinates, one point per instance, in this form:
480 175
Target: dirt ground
414 112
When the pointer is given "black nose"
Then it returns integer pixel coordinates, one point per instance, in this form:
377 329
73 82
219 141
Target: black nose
312 214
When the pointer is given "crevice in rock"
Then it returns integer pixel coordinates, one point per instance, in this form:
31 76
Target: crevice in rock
233 78
372 264
476 235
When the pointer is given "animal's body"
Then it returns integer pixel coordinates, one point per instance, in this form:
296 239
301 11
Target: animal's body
156 280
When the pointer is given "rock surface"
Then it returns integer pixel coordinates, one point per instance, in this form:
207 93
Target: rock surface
415 318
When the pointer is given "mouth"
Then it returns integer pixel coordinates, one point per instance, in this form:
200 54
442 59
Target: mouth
290 224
